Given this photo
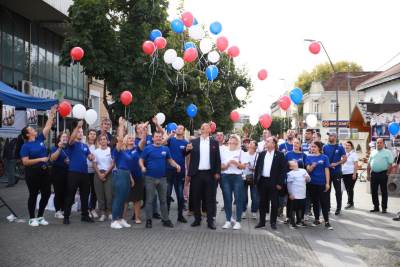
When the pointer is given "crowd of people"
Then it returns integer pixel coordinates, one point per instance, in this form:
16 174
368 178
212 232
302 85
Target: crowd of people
110 172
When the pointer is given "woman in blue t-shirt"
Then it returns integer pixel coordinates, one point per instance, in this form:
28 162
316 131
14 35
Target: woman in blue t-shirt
318 167
59 173
34 156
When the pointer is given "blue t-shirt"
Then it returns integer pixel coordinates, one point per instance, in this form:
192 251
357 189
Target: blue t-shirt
77 154
149 141
34 150
122 159
301 158
334 154
305 147
134 164
60 161
155 160
285 147
177 148
318 174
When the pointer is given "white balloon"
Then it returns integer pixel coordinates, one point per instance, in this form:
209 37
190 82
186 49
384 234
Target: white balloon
79 111
196 32
213 56
91 116
241 93
206 45
311 120
254 119
178 63
169 56
160 118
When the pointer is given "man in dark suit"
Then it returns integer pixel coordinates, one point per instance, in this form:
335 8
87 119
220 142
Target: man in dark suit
204 172
269 176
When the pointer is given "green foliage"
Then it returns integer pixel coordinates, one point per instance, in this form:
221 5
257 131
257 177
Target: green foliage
112 32
278 127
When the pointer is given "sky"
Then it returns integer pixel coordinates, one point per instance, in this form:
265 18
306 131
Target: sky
271 33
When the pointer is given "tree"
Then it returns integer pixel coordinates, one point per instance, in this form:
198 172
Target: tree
278 127
112 32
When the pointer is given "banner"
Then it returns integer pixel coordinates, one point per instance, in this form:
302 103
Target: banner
13 121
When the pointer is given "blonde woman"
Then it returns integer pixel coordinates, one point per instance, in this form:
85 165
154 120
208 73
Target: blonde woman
231 181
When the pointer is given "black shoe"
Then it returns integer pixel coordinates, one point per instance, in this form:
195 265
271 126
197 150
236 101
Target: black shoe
260 225
337 212
328 226
211 225
349 206
316 223
87 219
384 211
182 219
397 219
374 210
286 221
66 221
196 223
156 216
168 224
149 224
273 226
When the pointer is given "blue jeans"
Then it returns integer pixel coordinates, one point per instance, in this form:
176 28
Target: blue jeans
232 183
177 181
121 183
253 195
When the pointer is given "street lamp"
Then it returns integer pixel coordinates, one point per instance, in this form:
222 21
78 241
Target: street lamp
337 89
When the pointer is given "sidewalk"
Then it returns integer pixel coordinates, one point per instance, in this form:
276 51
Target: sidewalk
358 239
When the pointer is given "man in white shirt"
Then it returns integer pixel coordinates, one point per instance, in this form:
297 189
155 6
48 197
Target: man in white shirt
261 145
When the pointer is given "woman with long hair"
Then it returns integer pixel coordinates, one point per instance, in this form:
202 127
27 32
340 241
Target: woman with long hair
59 173
349 170
91 139
34 156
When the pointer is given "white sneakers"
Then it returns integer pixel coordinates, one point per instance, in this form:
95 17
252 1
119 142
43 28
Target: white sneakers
59 215
110 217
254 215
120 224
236 225
102 218
37 221
227 225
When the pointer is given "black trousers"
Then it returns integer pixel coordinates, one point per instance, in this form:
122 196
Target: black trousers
203 200
92 194
59 177
77 180
336 180
267 192
319 200
204 183
37 180
349 184
379 179
296 209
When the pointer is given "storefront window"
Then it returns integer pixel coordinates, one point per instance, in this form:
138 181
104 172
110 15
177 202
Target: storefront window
7 43
7 76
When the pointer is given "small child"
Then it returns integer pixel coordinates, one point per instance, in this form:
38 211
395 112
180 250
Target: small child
296 182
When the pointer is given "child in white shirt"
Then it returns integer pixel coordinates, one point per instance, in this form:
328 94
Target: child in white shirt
296 182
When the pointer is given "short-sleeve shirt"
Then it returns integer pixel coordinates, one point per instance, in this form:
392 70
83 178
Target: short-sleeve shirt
77 154
380 160
155 159
334 154
299 157
103 158
35 149
177 148
134 166
305 147
348 166
122 159
285 147
318 174
296 183
60 161
236 155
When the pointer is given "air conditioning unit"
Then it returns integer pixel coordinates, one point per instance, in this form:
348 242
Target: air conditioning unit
25 87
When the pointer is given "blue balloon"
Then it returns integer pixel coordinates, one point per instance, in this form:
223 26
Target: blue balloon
188 45
177 26
154 34
215 27
195 22
394 128
212 72
191 110
296 95
171 127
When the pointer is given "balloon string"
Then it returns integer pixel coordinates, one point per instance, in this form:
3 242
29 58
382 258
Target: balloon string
207 94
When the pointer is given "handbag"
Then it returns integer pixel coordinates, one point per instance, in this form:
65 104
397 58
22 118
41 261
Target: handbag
249 178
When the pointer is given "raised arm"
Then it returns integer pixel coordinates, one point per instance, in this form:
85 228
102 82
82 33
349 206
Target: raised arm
120 133
158 126
49 121
75 132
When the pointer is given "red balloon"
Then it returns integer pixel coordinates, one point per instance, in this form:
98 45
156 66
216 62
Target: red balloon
262 74
77 53
265 121
148 48
190 54
222 43
126 98
235 116
213 126
160 42
64 108
187 18
233 51
314 48
284 102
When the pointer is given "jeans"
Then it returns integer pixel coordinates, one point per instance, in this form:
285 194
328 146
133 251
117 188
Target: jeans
103 192
379 179
336 179
152 186
121 184
177 181
349 184
253 195
9 165
232 183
